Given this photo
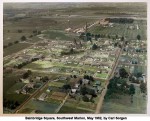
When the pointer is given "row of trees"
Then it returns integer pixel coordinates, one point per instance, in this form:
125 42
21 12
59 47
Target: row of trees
26 74
10 44
88 36
10 104
120 20
20 65
119 86
23 38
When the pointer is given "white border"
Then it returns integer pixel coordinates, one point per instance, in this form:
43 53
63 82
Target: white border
1 39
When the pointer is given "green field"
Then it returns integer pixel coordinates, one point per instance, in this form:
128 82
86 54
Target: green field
57 35
15 87
56 84
10 86
10 80
68 109
15 48
124 106
121 30
102 75
43 107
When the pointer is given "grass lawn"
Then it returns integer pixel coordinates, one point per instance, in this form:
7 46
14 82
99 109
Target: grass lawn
102 75
56 84
39 64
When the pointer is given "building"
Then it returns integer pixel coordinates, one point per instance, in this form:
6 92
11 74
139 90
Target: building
42 96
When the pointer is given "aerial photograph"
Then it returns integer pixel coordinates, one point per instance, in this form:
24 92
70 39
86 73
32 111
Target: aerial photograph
75 58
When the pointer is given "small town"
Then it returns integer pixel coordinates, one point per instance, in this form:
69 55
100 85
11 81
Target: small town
63 61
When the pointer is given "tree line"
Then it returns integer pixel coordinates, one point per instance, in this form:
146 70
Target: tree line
120 20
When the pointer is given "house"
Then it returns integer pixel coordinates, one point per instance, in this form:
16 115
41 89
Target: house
38 77
76 86
98 83
42 96
62 78
73 91
134 61
30 85
85 81
27 87
89 96
49 90
68 30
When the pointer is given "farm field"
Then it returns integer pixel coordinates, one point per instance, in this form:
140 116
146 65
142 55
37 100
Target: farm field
122 30
15 48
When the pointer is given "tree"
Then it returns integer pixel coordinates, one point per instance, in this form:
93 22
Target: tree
108 36
126 42
29 72
19 31
23 38
91 92
123 73
5 46
80 81
131 91
138 37
82 35
45 79
10 44
122 38
91 78
143 87
75 76
116 44
96 37
39 32
34 31
116 36
71 51
139 74
16 42
88 34
83 90
85 98
26 74
94 47
112 85
123 86
66 86
30 36
86 77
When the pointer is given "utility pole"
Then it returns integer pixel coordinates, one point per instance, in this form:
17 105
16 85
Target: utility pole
86 30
